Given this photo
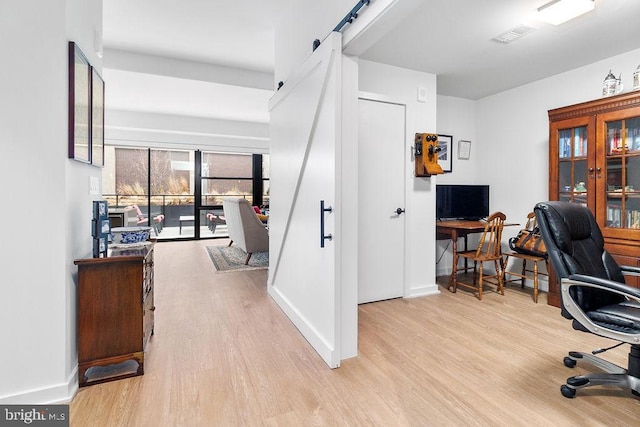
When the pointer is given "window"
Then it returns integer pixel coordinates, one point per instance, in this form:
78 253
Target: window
163 182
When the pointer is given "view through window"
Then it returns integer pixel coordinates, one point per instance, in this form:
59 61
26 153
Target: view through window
159 188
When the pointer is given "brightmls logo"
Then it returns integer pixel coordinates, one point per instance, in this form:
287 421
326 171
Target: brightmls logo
38 415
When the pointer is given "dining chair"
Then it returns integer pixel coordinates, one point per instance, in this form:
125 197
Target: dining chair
533 271
488 250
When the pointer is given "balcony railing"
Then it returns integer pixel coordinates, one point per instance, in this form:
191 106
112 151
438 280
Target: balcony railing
175 206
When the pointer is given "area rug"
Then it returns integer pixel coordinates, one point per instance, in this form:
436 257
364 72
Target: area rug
232 258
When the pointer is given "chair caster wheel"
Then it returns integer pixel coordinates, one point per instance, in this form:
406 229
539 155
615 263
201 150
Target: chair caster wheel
568 392
569 362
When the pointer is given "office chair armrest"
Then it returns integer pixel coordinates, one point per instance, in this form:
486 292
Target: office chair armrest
571 306
628 270
607 285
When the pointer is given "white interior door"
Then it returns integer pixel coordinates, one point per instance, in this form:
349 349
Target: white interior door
381 216
305 127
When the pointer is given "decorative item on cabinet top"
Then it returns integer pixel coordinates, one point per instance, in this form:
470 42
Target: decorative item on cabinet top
426 155
636 79
612 85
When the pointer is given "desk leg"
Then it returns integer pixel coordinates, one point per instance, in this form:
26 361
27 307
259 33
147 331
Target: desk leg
453 278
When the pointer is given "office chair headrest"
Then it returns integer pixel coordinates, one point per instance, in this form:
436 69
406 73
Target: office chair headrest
571 222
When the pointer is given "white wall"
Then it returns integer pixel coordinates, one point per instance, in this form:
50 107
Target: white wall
301 23
168 131
47 209
457 117
510 150
401 86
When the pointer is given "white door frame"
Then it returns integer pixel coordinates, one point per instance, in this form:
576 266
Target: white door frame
400 290
371 96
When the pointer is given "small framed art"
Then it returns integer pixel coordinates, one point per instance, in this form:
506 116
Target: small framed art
97 119
445 155
79 104
464 149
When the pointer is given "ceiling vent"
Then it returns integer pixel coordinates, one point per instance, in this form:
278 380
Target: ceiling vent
514 33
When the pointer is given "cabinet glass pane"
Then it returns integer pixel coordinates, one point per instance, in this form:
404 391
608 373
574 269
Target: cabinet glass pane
623 173
614 213
572 142
572 168
565 197
580 176
580 142
623 197
564 139
632 208
572 176
614 174
565 177
614 137
632 130
632 176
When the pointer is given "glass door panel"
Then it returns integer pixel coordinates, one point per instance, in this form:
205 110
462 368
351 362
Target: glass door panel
622 162
124 185
265 182
573 165
633 133
615 141
226 175
632 175
172 192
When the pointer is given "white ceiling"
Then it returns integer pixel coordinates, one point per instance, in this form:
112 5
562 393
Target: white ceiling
237 33
450 38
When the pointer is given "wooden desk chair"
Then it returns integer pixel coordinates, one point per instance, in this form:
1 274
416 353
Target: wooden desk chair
488 250
535 272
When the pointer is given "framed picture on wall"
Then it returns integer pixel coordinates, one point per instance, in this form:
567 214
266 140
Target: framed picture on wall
97 119
445 155
464 149
79 105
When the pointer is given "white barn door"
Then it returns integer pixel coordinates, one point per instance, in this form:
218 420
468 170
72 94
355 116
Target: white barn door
304 278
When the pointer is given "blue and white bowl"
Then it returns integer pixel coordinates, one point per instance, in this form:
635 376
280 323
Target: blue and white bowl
130 235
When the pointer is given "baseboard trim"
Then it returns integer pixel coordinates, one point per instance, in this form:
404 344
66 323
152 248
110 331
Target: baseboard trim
326 352
423 291
55 394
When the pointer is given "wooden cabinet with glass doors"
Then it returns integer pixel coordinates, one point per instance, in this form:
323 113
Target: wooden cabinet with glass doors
594 159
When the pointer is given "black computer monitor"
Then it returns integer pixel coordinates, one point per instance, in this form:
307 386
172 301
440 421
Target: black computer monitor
462 201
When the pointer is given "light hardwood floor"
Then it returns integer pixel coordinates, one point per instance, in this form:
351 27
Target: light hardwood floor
224 354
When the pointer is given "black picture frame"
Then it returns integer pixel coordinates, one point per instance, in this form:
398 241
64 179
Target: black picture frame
97 119
79 105
445 155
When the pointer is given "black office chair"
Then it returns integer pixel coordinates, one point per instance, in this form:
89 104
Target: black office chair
593 293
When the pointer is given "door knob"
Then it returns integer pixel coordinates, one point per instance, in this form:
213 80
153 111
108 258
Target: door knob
399 211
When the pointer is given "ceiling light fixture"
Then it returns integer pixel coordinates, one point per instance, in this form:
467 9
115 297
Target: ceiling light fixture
557 12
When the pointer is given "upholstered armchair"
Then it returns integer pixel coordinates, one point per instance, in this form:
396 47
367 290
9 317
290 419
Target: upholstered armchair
245 229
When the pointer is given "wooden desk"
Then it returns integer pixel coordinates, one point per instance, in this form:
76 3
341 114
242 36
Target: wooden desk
454 229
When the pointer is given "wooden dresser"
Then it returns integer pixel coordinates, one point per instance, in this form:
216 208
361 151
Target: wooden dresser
115 313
